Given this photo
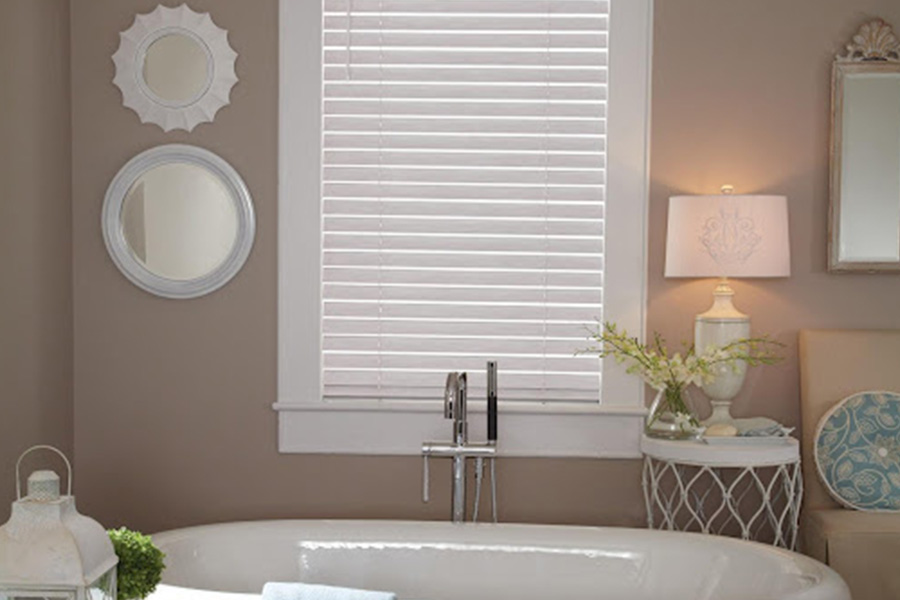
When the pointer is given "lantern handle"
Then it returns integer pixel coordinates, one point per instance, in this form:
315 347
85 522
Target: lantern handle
29 451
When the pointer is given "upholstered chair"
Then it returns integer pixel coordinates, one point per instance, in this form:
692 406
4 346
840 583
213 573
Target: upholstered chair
863 547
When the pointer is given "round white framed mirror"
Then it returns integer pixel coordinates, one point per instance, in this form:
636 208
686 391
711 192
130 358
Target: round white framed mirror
175 67
178 221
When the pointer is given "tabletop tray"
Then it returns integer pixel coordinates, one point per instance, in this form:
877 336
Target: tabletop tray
747 440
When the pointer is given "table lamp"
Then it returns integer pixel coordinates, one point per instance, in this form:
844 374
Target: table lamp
724 236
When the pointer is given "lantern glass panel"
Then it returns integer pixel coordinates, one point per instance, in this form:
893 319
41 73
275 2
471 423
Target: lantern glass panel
104 588
36 595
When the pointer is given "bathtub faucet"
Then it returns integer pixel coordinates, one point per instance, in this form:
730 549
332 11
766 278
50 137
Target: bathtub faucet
460 449
455 398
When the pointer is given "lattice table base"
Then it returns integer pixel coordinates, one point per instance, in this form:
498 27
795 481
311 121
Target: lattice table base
754 503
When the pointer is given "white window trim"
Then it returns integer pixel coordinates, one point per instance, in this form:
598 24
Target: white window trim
309 424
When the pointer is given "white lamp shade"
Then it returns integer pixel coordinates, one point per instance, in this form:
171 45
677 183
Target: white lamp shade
727 236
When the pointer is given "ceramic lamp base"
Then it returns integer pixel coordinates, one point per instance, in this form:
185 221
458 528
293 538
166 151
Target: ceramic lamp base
721 413
719 326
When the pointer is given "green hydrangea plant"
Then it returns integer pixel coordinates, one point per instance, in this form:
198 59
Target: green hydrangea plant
140 563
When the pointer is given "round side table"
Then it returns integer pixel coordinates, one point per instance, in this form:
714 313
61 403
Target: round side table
748 489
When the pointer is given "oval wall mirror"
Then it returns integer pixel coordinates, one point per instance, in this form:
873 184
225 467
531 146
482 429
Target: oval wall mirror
178 221
175 67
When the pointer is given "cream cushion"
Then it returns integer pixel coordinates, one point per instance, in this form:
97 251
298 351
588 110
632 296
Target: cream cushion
863 547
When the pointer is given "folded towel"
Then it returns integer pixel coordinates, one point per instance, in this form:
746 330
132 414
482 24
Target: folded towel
307 591
761 427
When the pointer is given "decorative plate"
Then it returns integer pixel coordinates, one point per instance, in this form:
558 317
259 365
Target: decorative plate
857 451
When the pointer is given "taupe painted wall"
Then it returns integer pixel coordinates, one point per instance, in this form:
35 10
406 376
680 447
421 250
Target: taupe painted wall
35 233
173 423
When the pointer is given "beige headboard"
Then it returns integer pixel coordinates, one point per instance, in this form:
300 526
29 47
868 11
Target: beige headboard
834 364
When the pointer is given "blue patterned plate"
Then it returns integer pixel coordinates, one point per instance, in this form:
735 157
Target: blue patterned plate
857 449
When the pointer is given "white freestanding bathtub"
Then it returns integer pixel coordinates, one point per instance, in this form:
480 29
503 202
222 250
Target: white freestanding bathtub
442 561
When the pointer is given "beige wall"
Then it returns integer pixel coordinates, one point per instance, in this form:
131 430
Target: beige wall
173 423
35 233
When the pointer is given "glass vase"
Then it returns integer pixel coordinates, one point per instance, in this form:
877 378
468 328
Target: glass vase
669 416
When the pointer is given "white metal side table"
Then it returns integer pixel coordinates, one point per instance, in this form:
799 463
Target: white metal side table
750 490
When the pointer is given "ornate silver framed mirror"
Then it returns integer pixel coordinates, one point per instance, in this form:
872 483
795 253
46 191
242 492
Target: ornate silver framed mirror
864 216
178 221
175 67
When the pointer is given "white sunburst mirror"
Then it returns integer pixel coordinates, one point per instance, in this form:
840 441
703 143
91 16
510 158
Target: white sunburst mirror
175 67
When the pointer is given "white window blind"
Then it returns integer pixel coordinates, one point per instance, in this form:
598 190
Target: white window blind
463 186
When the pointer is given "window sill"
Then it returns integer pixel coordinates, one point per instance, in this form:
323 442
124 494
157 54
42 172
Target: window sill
400 428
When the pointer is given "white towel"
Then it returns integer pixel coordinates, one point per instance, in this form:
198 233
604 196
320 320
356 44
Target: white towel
307 591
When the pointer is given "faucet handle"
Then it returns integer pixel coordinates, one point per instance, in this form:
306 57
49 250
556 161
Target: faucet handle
460 412
426 480
450 389
492 401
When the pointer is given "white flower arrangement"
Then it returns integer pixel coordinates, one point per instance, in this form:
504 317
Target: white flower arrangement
673 373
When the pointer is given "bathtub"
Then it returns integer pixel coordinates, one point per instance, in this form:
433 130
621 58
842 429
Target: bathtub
442 561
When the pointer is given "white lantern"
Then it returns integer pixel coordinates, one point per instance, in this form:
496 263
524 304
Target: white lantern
48 550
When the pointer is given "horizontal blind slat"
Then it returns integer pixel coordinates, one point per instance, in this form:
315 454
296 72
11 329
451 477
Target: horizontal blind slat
416 345
513 7
585 160
466 108
434 378
487 227
555 23
472 260
466 361
461 327
438 125
472 209
519 295
462 192
335 21
538 40
462 310
470 74
463 277
523 245
570 92
568 177
533 144
538 394
392 56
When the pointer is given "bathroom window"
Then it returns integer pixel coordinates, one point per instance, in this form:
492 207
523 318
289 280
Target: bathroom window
461 181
